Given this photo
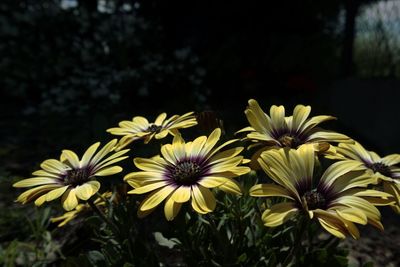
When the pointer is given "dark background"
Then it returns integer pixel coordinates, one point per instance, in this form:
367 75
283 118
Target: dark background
71 69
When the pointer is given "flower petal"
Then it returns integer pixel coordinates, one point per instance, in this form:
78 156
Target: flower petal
56 193
181 195
203 201
108 171
279 213
269 190
35 181
156 198
69 200
171 209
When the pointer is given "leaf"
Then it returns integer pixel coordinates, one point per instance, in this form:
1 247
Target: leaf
96 258
165 242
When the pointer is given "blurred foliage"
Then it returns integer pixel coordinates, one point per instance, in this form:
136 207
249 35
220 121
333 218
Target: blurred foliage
377 44
71 60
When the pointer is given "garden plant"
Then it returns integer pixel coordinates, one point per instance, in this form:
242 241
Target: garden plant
181 191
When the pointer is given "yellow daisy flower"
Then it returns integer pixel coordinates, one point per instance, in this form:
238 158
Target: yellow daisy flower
80 209
141 128
384 169
71 178
186 171
277 131
337 200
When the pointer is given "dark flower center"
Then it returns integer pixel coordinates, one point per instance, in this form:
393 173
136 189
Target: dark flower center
288 140
314 200
154 128
76 177
381 168
186 172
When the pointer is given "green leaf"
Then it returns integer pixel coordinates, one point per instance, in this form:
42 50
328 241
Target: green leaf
96 258
165 242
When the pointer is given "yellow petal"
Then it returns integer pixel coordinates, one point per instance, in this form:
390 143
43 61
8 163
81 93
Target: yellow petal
279 213
87 156
227 154
71 157
35 181
212 140
278 117
212 181
147 188
160 119
300 114
69 200
171 209
53 166
56 193
231 186
156 198
331 223
203 201
352 215
149 165
391 159
269 190
108 171
84 191
40 200
104 151
182 194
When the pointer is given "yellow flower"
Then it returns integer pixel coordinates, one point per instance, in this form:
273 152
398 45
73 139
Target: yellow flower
141 128
277 131
80 209
384 170
186 171
338 200
71 178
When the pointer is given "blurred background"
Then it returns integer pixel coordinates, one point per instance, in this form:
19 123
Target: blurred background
70 69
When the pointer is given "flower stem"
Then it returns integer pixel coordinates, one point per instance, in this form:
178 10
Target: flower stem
103 217
298 241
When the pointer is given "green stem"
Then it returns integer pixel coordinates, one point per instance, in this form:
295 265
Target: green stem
298 241
223 242
112 226
103 217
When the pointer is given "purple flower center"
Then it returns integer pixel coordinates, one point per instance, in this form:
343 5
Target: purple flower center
290 140
154 128
314 200
77 176
381 168
186 172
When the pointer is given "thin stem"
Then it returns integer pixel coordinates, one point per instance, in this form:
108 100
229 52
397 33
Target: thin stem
299 236
223 242
113 227
103 217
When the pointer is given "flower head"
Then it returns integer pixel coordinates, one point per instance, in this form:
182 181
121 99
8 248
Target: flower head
384 170
337 200
141 128
278 131
80 209
71 178
186 171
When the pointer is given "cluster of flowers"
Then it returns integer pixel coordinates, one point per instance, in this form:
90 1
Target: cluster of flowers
289 148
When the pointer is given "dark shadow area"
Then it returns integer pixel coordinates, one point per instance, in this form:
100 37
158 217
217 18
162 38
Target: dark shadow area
70 69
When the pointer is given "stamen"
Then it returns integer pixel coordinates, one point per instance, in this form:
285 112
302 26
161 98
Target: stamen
186 172
314 200
381 168
76 177
154 128
288 140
